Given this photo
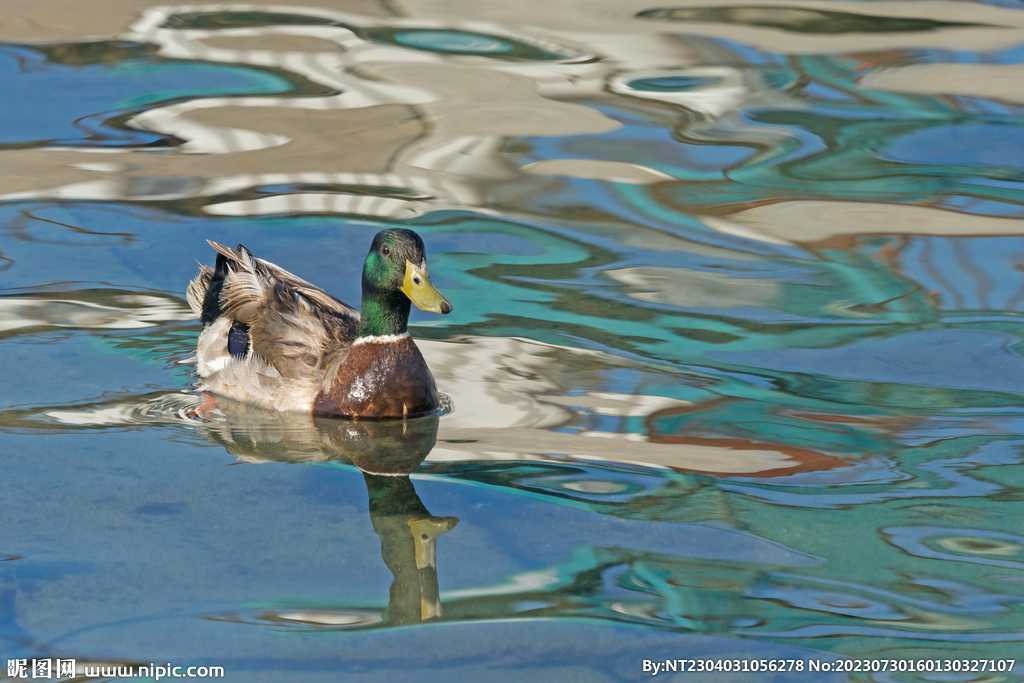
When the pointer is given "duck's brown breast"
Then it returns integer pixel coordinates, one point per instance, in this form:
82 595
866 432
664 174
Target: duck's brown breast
381 377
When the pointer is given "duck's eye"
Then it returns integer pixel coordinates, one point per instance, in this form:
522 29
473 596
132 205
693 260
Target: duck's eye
385 249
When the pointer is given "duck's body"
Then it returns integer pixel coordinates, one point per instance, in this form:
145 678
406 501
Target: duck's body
272 339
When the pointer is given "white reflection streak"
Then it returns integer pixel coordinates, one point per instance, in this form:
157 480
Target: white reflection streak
725 95
23 313
325 68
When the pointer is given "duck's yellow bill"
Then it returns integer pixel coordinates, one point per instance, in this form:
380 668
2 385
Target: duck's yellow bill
421 291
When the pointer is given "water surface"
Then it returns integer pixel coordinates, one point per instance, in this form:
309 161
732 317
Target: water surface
735 358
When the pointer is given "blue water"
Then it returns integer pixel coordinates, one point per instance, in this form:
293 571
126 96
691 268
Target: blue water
735 363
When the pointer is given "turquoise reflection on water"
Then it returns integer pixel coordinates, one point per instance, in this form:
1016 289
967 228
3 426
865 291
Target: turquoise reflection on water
450 41
49 102
751 388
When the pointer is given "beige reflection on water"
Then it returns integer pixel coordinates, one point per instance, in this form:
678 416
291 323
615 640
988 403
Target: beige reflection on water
432 125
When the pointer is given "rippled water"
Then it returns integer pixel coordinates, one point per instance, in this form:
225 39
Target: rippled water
735 359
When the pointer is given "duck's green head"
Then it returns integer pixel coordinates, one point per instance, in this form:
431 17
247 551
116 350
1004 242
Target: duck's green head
395 273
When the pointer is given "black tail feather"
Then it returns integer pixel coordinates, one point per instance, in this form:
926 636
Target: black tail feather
211 302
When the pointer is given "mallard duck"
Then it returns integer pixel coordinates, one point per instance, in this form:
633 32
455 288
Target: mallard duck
272 339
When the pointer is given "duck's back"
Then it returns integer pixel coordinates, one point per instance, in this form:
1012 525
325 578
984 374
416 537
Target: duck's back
268 336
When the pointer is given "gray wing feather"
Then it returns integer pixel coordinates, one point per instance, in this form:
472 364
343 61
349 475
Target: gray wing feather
293 325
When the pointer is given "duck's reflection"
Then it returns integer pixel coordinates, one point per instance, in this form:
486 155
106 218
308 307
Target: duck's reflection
387 452
408 543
